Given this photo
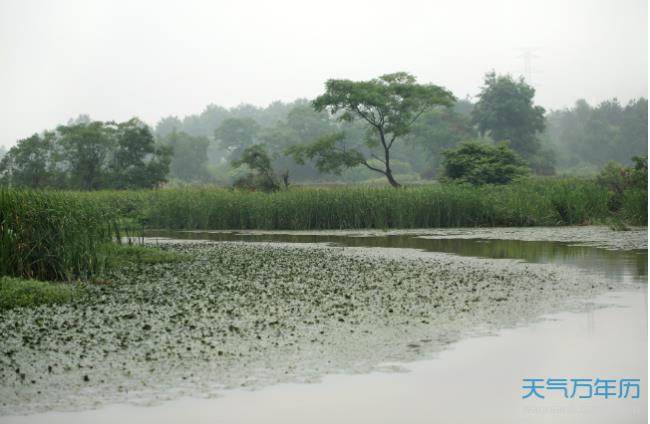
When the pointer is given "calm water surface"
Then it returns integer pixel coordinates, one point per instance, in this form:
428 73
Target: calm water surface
477 380
617 265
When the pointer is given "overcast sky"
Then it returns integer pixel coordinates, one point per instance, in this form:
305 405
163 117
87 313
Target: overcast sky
117 59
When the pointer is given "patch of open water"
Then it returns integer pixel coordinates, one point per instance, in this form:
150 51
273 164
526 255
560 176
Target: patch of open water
612 264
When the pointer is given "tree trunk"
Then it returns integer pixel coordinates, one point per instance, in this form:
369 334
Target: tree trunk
391 180
389 172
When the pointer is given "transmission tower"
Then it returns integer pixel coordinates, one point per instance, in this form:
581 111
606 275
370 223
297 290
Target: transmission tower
527 55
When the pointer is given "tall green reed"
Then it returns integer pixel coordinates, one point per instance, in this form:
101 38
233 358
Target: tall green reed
50 235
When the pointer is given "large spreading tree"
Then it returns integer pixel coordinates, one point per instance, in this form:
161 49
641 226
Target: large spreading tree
388 106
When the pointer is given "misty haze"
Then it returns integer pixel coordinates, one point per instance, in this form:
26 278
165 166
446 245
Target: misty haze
367 211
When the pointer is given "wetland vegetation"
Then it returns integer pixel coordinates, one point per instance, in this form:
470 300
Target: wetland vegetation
250 314
93 310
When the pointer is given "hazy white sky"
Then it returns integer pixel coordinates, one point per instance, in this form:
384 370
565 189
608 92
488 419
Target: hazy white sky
117 59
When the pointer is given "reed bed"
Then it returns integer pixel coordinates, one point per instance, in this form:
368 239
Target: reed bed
49 235
58 235
532 202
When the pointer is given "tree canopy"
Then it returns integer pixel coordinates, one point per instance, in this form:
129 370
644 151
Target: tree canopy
388 106
88 156
236 134
437 130
189 162
505 111
590 136
262 176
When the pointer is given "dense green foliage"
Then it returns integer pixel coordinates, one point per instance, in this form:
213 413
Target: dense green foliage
581 139
627 188
88 156
587 137
480 163
388 106
439 129
262 176
205 123
190 157
91 155
17 292
506 111
236 134
49 235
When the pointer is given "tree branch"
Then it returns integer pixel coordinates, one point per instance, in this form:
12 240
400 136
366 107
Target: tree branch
390 144
365 162
417 116
365 116
377 157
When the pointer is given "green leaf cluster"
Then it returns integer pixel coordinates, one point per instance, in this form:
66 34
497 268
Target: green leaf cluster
479 163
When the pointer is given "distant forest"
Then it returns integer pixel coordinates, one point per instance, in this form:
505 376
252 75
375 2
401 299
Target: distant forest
202 148
578 140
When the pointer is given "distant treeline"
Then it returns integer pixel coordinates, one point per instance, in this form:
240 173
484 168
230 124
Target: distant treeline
578 140
201 149
588 137
87 155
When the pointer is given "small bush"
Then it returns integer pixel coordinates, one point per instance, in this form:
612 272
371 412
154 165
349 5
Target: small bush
262 177
627 189
635 206
479 163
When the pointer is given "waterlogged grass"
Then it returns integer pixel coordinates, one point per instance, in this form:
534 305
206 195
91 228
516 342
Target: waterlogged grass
128 254
253 314
18 292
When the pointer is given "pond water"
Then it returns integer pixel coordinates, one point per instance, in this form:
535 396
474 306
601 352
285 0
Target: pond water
617 265
472 377
476 380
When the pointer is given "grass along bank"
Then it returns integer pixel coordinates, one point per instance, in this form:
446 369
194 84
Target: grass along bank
115 255
51 235
531 202
59 235
18 292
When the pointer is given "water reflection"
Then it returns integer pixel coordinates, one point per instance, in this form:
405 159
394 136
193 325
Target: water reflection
617 265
